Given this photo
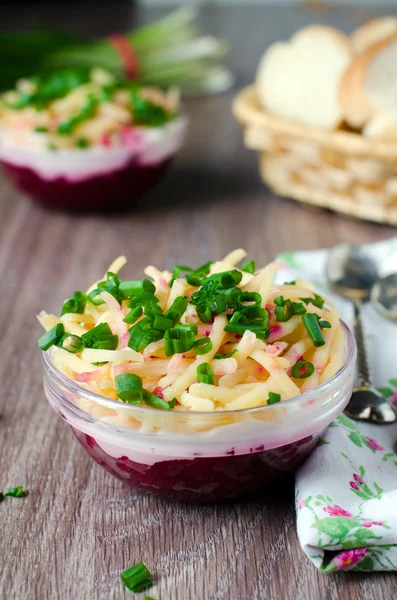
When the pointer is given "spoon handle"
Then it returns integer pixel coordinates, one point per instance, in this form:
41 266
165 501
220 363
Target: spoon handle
364 374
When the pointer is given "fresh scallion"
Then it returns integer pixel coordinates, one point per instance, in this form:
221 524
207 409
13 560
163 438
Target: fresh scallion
133 315
311 323
177 341
142 334
316 301
16 492
75 305
302 369
72 343
129 388
219 355
273 398
100 337
205 374
226 279
324 324
161 323
248 266
203 345
188 327
137 578
176 310
156 402
129 288
51 337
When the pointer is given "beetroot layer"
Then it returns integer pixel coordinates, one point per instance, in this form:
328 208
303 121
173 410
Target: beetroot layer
110 192
204 479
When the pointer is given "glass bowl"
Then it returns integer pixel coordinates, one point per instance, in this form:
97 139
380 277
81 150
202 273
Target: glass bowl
100 178
200 456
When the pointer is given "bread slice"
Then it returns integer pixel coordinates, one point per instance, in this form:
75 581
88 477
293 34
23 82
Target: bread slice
369 85
372 32
299 79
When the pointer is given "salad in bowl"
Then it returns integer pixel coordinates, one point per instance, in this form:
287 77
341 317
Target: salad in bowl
202 384
84 140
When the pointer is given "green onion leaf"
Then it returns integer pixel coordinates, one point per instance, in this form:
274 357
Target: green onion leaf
188 327
324 324
298 308
179 269
100 337
142 299
133 315
178 340
310 321
290 282
226 279
16 492
248 266
205 374
284 312
142 334
195 277
279 301
161 323
316 301
261 333
176 310
75 305
137 578
231 295
229 355
203 345
51 337
254 299
273 398
71 343
93 297
302 369
130 288
129 388
156 402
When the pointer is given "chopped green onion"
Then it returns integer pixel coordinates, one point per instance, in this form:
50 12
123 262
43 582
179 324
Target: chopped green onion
71 343
156 402
226 279
299 309
179 269
51 337
290 282
100 337
261 333
205 374
273 398
195 277
178 340
16 492
129 388
161 323
92 297
229 355
248 266
316 301
302 369
231 295
324 324
176 310
205 314
75 305
203 345
129 288
188 327
133 315
82 143
142 299
137 578
99 363
142 334
41 129
310 321
254 298
148 598
253 312
285 312
279 301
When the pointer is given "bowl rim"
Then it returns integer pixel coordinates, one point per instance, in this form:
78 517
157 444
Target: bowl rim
75 388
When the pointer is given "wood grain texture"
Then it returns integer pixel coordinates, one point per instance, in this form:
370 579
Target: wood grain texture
79 527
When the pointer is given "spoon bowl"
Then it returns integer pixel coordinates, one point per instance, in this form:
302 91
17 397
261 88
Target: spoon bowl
384 296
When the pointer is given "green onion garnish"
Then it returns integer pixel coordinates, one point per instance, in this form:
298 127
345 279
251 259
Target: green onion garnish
316 301
261 333
188 327
176 310
226 279
254 299
41 129
156 402
130 288
179 269
142 299
248 266
16 492
100 337
205 374
284 309
324 324
71 343
129 388
299 309
273 398
195 277
133 315
51 337
82 143
310 321
137 578
302 369
75 305
203 345
178 340
229 355
142 334
290 282
148 598
161 323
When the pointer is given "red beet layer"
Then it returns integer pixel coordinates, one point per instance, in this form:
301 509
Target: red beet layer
204 479
109 192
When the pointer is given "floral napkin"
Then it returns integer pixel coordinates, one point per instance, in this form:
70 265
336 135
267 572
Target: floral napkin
346 492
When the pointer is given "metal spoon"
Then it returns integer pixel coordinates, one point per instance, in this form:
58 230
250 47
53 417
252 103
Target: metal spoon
352 274
384 296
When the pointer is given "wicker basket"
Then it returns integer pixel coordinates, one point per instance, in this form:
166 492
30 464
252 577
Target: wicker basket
338 170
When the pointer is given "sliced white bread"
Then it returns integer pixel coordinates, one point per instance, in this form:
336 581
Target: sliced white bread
369 84
300 79
371 32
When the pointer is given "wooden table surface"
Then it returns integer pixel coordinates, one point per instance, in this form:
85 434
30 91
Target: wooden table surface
79 527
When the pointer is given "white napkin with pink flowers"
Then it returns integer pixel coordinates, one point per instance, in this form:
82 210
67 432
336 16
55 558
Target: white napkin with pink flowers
346 492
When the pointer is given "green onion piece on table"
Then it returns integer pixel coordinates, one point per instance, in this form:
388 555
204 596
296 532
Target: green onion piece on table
310 321
137 578
205 374
16 492
302 369
51 337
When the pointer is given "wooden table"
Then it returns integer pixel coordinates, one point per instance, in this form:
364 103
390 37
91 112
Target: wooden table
79 527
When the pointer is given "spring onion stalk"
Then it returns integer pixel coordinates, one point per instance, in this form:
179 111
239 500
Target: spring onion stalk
273 398
16 492
302 369
311 323
205 374
137 578
167 52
